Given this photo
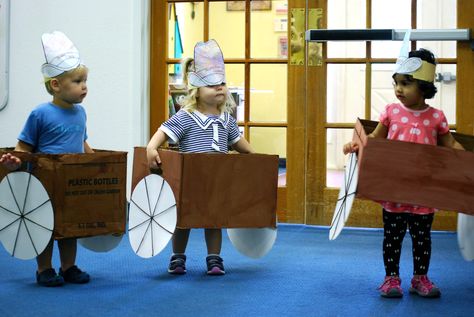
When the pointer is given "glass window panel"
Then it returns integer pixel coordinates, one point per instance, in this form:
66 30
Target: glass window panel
345 92
271 141
443 49
231 38
335 158
176 90
445 98
382 89
175 75
235 76
340 18
389 15
269 31
439 14
268 98
190 20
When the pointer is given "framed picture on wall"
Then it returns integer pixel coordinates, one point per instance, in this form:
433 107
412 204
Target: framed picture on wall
255 5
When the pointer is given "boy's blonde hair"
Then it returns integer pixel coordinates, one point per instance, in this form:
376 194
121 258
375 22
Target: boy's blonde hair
47 80
190 100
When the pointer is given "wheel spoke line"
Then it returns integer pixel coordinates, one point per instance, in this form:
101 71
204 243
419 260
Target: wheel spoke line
10 211
158 198
31 239
16 238
140 224
166 210
36 208
147 197
38 224
143 237
11 223
159 225
26 194
13 194
140 208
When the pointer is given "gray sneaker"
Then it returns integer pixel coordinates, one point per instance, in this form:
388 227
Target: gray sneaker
177 264
215 265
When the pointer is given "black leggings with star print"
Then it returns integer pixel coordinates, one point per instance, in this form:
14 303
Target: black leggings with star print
395 226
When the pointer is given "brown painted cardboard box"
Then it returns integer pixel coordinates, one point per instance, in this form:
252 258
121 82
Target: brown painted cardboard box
88 191
424 175
218 190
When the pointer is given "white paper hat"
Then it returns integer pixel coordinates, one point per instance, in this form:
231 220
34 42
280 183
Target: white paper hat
413 66
208 68
60 53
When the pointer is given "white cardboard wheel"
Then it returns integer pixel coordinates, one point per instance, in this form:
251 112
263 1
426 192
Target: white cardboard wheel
152 216
345 198
101 243
466 236
252 242
26 215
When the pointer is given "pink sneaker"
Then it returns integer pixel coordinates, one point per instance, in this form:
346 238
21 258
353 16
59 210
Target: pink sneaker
424 287
391 287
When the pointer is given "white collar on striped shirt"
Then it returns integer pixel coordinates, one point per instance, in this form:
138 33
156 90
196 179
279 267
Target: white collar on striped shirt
204 121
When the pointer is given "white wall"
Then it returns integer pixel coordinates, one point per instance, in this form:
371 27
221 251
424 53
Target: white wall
112 38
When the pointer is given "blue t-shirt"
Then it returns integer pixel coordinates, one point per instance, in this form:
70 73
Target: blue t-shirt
194 131
54 130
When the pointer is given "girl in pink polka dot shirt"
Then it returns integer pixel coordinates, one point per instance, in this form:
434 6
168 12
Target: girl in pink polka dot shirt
411 120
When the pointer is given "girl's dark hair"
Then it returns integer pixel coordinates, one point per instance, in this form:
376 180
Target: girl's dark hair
429 89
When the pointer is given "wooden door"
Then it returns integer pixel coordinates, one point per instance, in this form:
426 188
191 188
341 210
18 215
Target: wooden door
367 72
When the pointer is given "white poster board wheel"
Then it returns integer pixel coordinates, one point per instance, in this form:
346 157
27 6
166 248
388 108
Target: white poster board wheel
252 242
466 236
345 198
102 243
152 216
26 215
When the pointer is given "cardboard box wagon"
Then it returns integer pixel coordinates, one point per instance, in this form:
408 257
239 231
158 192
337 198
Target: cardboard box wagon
87 191
215 190
419 174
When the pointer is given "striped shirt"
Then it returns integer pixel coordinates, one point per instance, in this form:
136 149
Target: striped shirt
194 131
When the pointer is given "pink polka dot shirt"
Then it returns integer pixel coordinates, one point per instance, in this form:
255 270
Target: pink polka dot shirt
417 126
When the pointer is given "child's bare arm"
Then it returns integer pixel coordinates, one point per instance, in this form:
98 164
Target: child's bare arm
87 148
12 162
242 146
449 141
152 148
23 147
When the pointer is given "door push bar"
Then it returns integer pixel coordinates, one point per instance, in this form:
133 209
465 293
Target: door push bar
325 35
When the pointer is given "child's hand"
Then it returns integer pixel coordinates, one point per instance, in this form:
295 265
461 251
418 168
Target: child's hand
10 161
153 158
350 147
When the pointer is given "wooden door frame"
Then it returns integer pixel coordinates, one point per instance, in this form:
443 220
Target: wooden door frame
158 67
306 134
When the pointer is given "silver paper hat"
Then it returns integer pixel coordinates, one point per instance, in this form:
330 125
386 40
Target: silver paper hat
208 68
60 53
